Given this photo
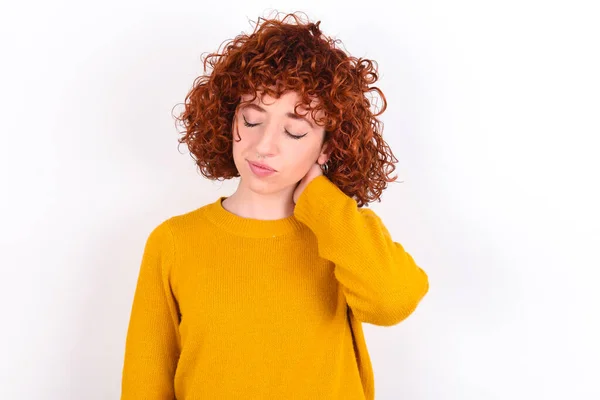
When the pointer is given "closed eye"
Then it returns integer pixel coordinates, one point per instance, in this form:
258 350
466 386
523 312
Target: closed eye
295 137
248 124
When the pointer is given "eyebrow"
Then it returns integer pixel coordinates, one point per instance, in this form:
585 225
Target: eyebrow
289 114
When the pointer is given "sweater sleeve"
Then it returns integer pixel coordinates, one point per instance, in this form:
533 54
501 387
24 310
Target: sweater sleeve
382 283
153 344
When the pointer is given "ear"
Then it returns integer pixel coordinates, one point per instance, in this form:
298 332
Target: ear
323 157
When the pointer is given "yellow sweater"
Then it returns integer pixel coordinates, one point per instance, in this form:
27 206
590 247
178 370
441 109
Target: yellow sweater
228 307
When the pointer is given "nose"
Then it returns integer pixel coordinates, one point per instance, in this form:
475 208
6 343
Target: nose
267 142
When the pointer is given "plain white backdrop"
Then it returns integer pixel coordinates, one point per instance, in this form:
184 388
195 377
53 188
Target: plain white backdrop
493 113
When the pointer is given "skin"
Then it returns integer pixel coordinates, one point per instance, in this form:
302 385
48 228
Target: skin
297 161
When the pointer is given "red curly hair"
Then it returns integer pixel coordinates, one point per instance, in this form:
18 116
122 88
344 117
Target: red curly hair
281 56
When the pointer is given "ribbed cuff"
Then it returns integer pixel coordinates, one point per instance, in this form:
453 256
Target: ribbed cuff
318 196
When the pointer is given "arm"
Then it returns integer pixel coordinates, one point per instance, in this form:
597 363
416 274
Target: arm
152 344
382 283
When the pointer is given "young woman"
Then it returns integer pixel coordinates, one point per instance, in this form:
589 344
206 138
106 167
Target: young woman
261 294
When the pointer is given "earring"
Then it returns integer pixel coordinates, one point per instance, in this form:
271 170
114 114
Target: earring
325 168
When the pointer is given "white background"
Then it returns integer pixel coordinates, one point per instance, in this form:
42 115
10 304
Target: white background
493 114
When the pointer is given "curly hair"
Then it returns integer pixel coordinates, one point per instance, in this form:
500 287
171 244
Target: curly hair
279 56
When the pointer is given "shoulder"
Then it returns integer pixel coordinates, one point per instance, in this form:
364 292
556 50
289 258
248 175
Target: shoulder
181 225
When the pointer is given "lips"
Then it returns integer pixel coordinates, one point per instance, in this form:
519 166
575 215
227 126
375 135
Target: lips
263 166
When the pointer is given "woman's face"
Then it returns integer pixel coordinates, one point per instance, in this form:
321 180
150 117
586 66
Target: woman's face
288 143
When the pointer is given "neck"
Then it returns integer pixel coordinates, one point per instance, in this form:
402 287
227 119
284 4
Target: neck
249 203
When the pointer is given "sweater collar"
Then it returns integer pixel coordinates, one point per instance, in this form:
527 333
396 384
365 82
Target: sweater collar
250 227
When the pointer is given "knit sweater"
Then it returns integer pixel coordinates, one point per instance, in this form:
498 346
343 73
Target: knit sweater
228 307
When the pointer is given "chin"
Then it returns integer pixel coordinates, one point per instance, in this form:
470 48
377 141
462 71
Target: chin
264 186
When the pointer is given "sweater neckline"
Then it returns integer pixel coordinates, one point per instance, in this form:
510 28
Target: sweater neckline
250 227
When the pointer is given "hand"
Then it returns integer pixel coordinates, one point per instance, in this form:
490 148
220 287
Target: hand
313 172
